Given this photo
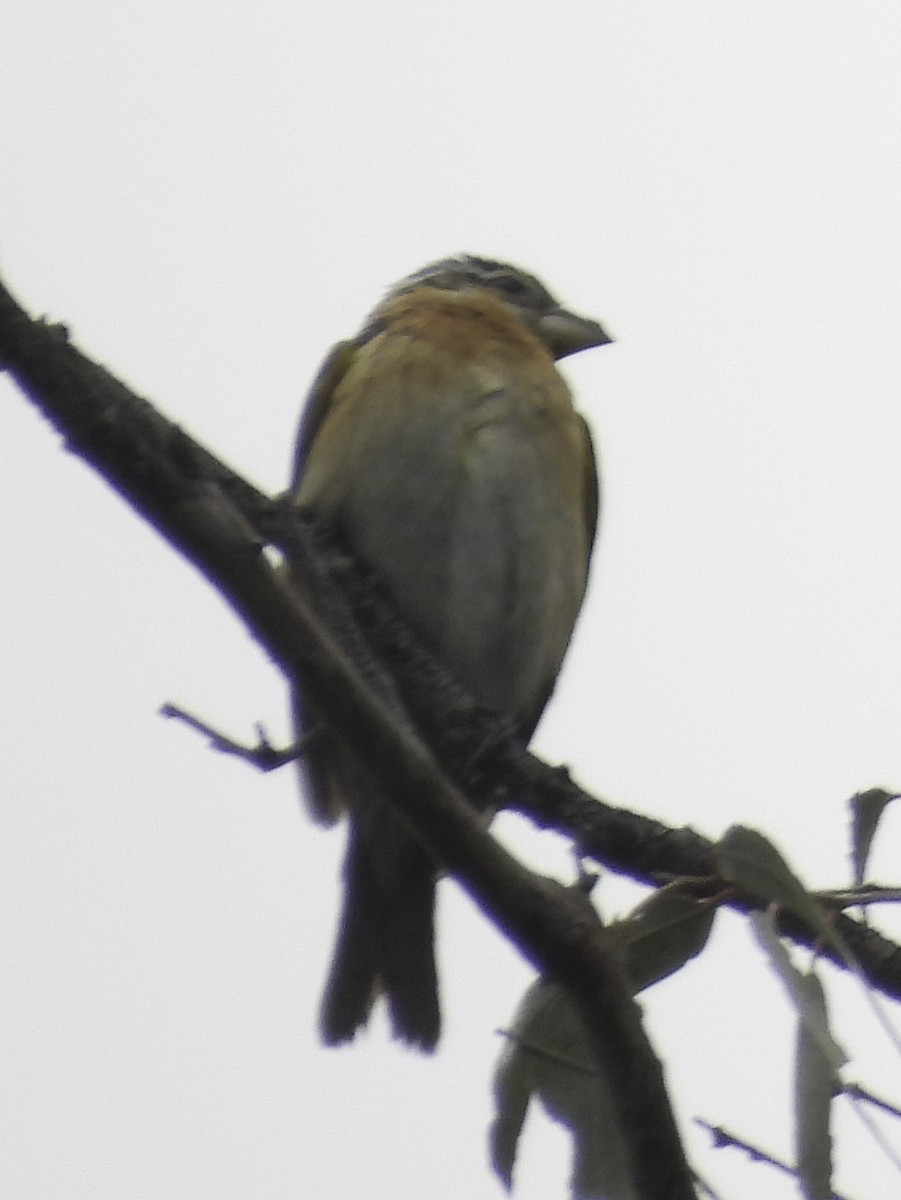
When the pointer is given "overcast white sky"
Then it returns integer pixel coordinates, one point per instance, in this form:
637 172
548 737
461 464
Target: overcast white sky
209 197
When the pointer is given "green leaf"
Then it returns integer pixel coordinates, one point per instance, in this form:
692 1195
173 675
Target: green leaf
810 1012
549 1056
662 934
749 860
815 1084
866 810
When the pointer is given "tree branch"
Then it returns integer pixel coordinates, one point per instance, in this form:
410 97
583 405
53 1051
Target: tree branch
366 675
175 483
202 510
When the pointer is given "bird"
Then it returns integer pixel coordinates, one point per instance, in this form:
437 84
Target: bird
442 445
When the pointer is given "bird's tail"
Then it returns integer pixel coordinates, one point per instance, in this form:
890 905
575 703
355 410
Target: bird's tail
386 941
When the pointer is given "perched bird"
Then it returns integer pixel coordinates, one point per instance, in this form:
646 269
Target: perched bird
442 444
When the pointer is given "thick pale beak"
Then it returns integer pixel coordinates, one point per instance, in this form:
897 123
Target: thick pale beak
565 333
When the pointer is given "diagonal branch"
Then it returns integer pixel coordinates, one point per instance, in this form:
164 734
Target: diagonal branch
217 521
177 484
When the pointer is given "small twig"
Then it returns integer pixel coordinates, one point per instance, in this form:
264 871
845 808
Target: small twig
705 1187
859 1093
264 756
857 1097
866 893
722 1137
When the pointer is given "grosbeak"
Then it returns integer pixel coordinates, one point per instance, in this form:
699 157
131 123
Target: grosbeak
442 445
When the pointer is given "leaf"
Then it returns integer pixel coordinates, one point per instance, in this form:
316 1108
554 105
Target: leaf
513 1085
810 1013
662 934
747 859
866 810
815 1085
549 1056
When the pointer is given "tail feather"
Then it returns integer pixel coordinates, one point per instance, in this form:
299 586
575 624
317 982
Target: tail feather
408 963
385 940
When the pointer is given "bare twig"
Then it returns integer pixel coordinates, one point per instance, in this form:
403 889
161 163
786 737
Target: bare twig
722 1138
264 756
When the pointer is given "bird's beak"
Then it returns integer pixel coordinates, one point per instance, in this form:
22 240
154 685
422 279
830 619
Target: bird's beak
565 333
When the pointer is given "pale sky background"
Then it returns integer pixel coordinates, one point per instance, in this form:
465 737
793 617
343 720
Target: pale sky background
209 197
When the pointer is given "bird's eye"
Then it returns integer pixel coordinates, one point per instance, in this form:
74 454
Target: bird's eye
512 285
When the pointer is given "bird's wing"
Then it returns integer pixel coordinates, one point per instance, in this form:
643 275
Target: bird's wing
592 489
317 404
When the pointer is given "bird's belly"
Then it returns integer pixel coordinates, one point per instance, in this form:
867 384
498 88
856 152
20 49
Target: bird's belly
482 540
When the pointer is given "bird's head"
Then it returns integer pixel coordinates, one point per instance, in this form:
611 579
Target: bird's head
562 331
